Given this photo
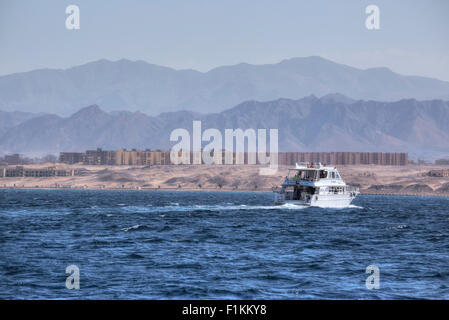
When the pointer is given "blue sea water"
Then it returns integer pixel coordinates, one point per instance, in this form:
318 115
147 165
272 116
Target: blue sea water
206 245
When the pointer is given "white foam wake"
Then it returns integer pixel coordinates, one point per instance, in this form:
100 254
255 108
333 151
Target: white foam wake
199 207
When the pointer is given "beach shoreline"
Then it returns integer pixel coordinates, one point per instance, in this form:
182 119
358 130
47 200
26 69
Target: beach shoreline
409 180
442 195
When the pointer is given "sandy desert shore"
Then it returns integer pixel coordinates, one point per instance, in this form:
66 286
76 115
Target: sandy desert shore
372 179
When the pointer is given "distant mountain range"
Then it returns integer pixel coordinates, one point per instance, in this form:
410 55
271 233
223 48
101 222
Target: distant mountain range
331 123
9 120
137 85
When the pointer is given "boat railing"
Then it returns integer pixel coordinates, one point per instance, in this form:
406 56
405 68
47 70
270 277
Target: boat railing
293 181
352 188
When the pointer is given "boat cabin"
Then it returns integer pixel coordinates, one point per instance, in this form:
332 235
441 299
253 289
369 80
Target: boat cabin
308 180
313 173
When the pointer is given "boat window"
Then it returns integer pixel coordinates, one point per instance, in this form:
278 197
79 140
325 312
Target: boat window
310 175
323 174
333 189
305 174
293 174
333 175
337 175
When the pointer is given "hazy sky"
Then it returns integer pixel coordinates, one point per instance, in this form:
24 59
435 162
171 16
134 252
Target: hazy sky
413 39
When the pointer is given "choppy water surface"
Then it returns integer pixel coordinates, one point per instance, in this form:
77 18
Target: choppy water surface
191 245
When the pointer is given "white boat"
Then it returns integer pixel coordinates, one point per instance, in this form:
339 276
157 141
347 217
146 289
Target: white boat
315 185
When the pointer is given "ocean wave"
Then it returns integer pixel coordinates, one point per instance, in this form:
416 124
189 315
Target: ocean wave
398 227
208 208
353 206
225 207
135 227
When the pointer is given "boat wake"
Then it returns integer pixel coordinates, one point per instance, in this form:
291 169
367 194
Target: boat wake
217 208
353 206
199 207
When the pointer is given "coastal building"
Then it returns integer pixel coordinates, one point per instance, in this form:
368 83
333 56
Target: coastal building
117 157
141 157
72 157
20 171
157 157
136 157
344 158
99 156
12 159
439 173
442 162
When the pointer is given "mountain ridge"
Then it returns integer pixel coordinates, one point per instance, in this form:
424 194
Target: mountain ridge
331 123
137 85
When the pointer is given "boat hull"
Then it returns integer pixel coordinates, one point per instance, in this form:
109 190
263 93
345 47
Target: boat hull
323 201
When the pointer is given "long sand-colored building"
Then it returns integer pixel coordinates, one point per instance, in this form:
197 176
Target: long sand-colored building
162 157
